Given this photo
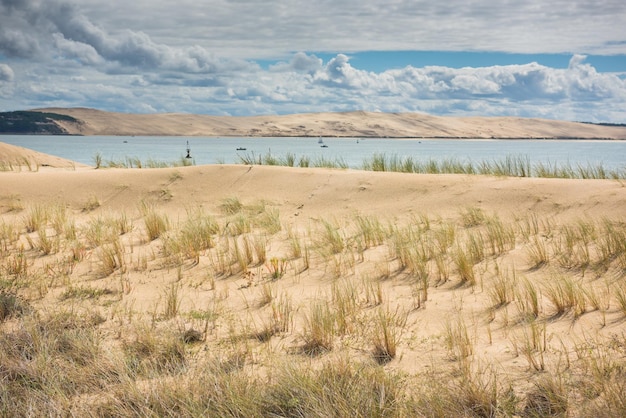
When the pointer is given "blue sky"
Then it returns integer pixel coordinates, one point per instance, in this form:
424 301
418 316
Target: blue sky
380 61
563 59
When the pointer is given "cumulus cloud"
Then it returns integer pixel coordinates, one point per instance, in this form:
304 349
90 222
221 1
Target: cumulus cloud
29 25
339 73
181 56
300 62
6 73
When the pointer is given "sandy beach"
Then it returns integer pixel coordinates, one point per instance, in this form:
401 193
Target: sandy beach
426 295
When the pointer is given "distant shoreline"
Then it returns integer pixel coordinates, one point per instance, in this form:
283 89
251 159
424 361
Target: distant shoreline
358 124
340 137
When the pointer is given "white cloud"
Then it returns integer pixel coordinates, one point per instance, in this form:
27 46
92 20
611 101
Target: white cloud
258 29
578 92
190 56
45 31
300 62
84 53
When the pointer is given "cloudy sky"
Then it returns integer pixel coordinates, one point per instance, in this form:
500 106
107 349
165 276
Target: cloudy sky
560 59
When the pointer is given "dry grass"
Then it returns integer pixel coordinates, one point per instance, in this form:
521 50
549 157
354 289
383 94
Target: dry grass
228 312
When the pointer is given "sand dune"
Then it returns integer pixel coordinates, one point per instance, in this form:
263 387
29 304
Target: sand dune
323 192
348 124
13 157
465 339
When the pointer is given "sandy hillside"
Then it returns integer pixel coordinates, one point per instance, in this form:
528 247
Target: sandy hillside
283 248
14 157
301 193
348 124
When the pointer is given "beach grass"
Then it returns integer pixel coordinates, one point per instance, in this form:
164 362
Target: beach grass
235 311
508 166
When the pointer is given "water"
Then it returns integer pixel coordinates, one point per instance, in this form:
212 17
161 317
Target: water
352 151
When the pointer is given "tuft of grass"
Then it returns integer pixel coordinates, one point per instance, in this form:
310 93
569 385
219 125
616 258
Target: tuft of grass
345 299
84 292
196 235
620 295
111 257
537 251
239 224
8 237
269 220
97 160
527 300
11 305
464 266
267 294
149 354
330 241
547 399
502 290
374 295
472 216
122 223
172 301
566 295
457 339
46 243
388 327
340 388
276 268
156 223
92 203
319 329
231 205
612 243
371 231
16 265
499 237
36 218
534 345
282 313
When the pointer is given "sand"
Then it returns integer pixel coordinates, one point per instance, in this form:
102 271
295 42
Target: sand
316 192
306 199
338 124
15 157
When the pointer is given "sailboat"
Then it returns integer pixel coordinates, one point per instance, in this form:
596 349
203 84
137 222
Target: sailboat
188 151
321 141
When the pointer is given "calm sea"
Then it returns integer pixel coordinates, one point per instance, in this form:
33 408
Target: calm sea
352 151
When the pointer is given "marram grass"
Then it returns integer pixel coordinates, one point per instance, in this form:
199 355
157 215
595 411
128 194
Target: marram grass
226 331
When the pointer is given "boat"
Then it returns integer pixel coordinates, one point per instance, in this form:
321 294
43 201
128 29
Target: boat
241 149
188 151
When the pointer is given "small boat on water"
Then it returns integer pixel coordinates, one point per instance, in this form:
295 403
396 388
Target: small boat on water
321 141
188 151
241 149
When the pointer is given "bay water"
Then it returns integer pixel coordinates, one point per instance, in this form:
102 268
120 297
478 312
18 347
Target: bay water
352 151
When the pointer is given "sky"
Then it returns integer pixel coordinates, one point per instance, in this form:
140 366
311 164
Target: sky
556 59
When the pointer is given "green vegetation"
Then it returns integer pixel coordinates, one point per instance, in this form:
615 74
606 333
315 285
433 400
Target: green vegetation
30 123
134 162
511 166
